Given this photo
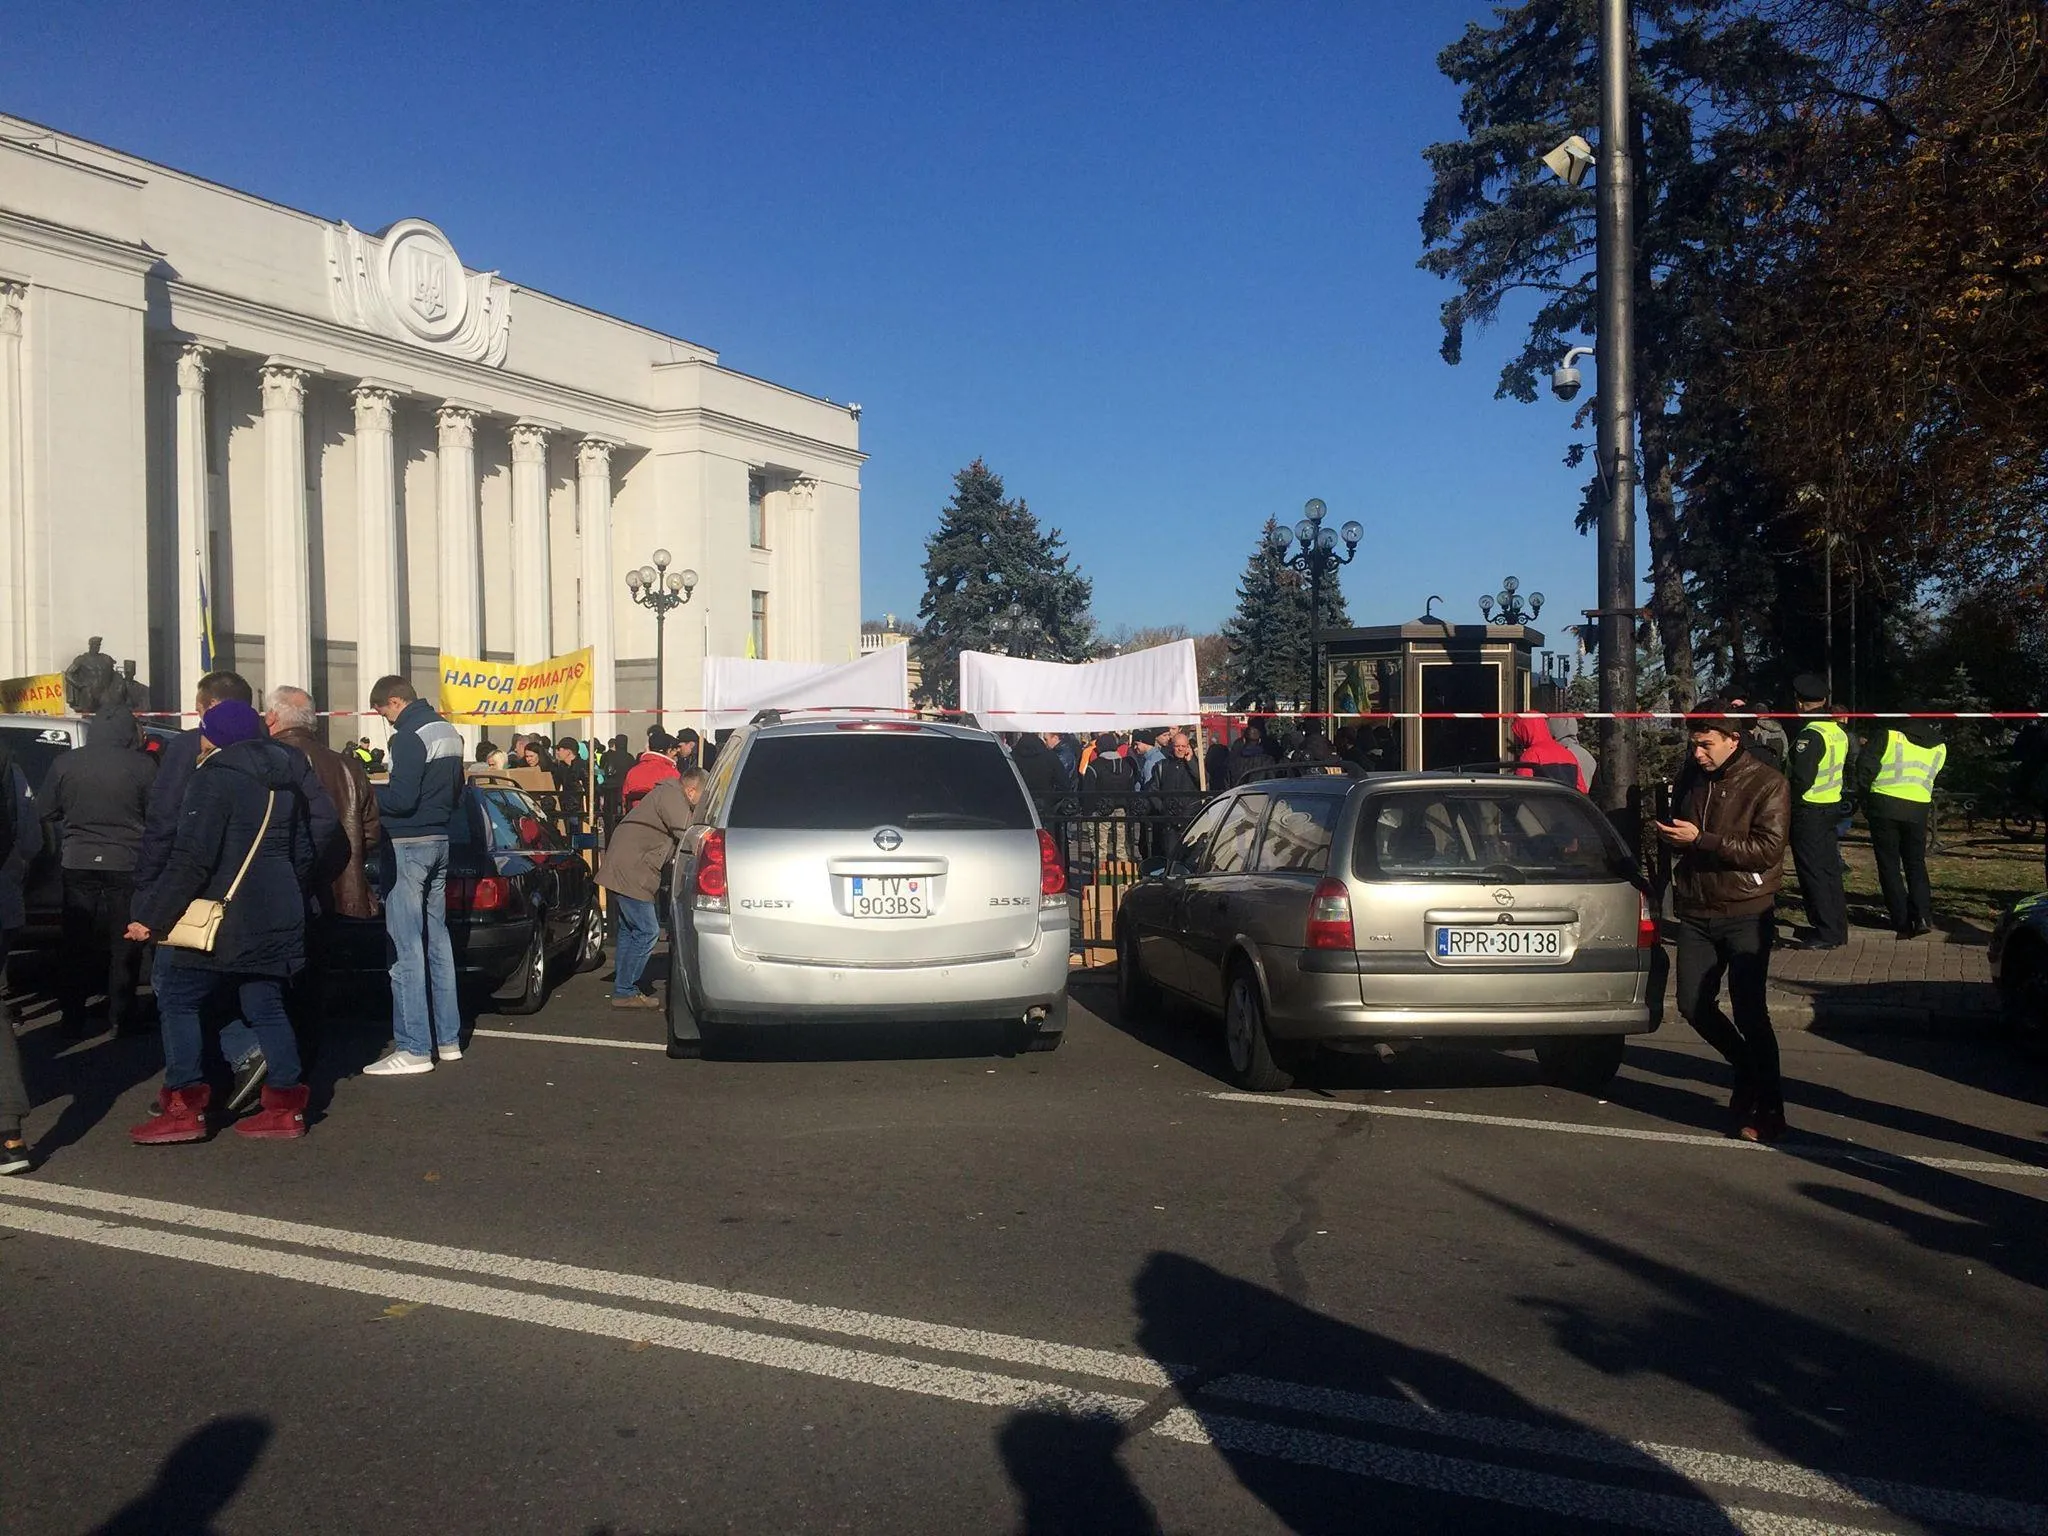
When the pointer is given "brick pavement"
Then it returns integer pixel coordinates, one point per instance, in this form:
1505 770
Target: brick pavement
1942 980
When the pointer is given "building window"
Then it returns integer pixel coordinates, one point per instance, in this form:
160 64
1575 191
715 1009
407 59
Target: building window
757 516
757 636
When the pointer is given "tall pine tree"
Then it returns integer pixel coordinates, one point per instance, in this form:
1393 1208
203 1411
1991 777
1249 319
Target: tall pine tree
995 581
1268 636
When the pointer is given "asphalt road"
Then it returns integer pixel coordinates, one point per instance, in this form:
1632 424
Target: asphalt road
567 1285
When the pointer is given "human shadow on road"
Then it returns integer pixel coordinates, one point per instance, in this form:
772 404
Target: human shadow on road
1281 1391
939 1040
1068 1478
95 1075
198 1480
1803 1094
1899 1430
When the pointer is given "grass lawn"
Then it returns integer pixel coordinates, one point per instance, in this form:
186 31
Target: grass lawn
1975 877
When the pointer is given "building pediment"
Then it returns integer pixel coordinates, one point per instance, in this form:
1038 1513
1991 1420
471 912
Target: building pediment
407 283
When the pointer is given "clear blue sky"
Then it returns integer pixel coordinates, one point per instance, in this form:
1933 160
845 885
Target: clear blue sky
1155 263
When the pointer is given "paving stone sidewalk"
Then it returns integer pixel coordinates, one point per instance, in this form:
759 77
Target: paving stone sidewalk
1941 981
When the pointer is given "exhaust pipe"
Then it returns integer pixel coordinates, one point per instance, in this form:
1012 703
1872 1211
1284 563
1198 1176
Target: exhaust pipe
1035 1016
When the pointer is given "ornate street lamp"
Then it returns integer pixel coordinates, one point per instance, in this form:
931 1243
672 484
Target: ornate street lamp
1509 600
655 586
1316 558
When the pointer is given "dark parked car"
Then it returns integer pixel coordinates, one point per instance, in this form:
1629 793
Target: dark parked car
522 905
2019 967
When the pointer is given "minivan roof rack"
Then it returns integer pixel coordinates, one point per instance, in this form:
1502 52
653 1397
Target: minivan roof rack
777 716
1339 769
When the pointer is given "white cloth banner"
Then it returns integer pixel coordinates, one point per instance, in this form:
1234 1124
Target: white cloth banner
1150 687
738 687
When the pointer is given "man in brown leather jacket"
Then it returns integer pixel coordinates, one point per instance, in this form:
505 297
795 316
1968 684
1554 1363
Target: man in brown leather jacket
1732 815
343 890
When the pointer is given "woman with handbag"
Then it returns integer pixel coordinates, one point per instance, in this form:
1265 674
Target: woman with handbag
230 912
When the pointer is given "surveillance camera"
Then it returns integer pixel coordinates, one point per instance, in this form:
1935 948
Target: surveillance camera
1564 383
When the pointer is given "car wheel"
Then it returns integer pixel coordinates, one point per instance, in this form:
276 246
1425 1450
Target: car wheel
1137 997
1581 1063
1252 1066
532 979
590 944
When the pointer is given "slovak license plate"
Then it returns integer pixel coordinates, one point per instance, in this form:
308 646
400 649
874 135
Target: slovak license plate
1503 941
891 896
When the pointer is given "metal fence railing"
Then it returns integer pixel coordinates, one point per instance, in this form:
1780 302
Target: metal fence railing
1107 839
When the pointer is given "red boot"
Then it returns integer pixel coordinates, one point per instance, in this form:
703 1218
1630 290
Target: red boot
180 1116
282 1116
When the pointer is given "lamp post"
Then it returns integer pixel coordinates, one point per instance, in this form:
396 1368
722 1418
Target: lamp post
656 587
1509 600
1316 559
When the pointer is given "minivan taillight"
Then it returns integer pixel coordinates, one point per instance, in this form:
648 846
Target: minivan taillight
1329 916
483 893
1052 871
711 886
1646 925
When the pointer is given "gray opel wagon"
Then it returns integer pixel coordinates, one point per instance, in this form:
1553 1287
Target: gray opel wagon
860 872
1338 911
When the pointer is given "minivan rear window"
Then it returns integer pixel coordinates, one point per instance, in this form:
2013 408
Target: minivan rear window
1487 834
851 781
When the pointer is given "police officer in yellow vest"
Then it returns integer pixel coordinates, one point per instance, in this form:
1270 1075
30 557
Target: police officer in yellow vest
1895 777
1819 771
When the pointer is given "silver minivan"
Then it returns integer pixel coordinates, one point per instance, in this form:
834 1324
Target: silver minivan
1339 911
866 871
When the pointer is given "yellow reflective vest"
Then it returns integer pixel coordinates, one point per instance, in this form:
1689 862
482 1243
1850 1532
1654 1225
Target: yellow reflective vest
1909 770
1826 788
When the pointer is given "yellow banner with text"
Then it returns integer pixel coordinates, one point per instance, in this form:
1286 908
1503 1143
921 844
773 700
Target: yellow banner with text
485 692
42 694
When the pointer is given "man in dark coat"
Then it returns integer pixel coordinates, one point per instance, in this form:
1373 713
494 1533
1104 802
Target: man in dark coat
1732 818
1041 771
245 839
99 795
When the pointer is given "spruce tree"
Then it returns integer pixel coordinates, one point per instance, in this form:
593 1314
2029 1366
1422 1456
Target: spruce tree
1268 636
995 581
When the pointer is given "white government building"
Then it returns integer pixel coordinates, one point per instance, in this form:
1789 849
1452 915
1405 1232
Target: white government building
363 453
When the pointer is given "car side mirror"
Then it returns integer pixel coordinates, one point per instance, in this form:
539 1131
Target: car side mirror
1153 869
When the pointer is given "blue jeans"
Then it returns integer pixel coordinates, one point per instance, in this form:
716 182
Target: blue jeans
637 929
423 967
237 1039
183 990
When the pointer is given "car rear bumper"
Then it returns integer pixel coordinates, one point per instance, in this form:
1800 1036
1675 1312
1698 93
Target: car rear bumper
1306 1005
735 986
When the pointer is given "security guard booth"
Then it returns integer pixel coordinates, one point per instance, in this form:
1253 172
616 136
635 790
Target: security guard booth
1432 666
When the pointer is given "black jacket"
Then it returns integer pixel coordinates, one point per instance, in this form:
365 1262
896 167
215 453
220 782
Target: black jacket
264 931
1043 774
167 807
1110 774
1175 785
99 794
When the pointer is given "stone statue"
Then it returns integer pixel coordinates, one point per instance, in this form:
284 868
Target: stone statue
89 680
137 693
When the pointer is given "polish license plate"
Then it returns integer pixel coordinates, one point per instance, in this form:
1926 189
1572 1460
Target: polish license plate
1503 941
891 896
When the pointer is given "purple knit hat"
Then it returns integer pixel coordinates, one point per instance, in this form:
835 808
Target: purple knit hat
230 721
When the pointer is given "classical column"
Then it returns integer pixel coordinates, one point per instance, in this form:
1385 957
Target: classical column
797 573
188 452
288 606
14 582
462 631
594 517
377 652
532 596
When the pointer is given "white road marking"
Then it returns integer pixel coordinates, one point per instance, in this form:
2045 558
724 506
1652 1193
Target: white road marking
1707 1467
1631 1133
527 1034
1432 1471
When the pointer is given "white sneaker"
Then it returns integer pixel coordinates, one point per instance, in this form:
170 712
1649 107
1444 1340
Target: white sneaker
447 1053
399 1064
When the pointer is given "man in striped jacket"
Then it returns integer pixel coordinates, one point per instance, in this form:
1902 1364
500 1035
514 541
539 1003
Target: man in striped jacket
417 803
